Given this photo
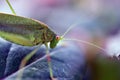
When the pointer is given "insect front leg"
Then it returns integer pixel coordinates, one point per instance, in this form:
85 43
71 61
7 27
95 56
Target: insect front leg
49 62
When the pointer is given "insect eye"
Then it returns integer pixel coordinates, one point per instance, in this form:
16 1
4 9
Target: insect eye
57 37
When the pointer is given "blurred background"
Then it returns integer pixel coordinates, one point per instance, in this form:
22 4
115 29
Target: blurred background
94 21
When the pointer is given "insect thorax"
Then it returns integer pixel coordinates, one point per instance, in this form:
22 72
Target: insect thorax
43 36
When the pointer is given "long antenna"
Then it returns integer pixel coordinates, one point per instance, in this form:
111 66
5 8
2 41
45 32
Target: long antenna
85 42
10 6
73 25
81 41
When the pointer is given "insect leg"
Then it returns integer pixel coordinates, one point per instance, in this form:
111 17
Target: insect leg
25 60
49 62
11 8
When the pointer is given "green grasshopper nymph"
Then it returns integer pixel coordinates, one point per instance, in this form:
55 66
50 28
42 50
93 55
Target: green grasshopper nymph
26 31
30 32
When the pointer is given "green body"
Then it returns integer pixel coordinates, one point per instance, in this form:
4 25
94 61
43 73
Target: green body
25 31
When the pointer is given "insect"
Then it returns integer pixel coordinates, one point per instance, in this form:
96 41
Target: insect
26 31
29 32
